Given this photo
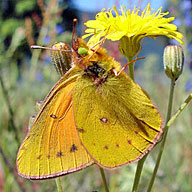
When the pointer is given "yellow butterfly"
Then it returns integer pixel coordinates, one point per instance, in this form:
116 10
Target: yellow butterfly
95 113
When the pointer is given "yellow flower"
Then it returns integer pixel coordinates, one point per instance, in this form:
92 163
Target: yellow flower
131 27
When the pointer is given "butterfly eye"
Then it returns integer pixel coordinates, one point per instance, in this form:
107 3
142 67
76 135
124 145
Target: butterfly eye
82 51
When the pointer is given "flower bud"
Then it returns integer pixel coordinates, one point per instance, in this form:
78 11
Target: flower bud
129 47
61 58
173 60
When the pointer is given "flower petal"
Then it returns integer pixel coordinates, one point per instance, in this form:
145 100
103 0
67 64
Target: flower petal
132 24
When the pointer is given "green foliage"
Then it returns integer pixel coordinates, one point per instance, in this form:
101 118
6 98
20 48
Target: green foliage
9 26
24 5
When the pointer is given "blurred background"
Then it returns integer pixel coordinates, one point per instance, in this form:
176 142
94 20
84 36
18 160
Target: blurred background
26 76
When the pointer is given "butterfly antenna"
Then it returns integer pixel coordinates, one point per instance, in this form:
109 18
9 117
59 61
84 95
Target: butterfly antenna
40 47
123 68
73 33
48 48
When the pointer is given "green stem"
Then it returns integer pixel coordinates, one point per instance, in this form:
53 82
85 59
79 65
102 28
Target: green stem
104 179
50 9
181 108
7 99
131 70
141 161
138 173
36 53
164 136
58 183
12 170
170 100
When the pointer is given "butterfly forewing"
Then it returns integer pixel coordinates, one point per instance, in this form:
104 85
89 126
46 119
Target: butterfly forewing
117 122
52 147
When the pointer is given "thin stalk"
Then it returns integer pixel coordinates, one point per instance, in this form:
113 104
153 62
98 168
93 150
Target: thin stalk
131 70
49 10
164 136
170 100
11 170
5 93
36 53
138 173
58 183
181 108
104 179
141 161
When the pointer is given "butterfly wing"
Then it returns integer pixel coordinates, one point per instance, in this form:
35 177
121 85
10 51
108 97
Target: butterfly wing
116 120
52 146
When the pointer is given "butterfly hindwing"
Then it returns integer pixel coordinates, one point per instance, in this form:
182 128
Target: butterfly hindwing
116 121
52 146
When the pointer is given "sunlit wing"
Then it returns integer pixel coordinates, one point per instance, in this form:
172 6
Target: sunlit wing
52 146
117 122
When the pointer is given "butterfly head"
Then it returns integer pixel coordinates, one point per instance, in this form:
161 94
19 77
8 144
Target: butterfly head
93 60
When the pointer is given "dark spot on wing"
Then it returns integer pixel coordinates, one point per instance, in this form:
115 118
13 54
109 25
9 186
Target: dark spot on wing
136 132
104 120
59 154
129 141
117 145
48 156
80 130
73 148
106 147
39 157
53 116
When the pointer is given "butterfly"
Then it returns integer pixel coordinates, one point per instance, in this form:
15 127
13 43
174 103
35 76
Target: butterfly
94 114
